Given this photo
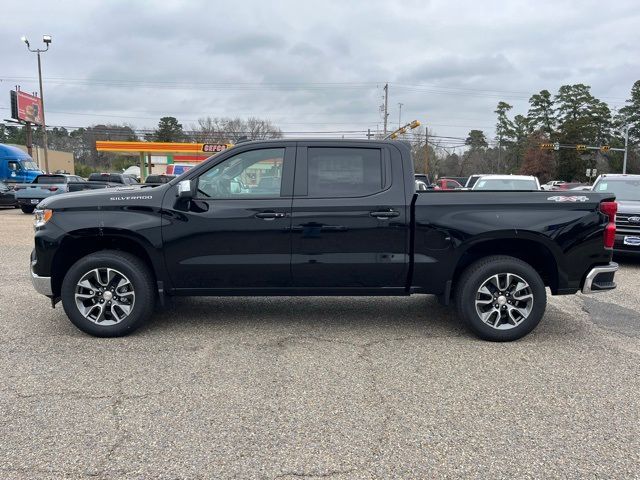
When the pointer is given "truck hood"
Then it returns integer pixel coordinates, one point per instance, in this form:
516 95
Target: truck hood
106 198
628 206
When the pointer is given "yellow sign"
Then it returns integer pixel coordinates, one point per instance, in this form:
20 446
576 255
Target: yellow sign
546 146
581 148
605 148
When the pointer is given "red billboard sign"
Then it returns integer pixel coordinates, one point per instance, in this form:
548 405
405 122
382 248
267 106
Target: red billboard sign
25 107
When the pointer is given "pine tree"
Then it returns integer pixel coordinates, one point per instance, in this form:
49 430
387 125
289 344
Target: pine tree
630 114
169 130
541 114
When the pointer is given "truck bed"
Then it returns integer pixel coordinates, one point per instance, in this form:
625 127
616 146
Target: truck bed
450 225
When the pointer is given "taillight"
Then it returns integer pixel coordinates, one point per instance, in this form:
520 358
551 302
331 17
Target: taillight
53 189
610 209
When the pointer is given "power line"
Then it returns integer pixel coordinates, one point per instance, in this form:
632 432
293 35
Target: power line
255 86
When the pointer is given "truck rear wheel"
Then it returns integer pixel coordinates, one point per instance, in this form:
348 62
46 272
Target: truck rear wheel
501 298
108 293
27 208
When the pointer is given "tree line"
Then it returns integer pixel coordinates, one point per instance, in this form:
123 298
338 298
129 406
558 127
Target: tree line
82 141
572 116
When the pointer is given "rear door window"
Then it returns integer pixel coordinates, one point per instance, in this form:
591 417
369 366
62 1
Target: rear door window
344 172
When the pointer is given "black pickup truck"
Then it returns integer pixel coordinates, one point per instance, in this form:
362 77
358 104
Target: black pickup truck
319 217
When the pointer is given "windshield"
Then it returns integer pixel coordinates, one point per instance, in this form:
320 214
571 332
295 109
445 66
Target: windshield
29 165
627 189
505 184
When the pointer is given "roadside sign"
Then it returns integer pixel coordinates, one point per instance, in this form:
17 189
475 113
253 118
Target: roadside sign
581 148
594 171
588 172
214 147
556 146
25 107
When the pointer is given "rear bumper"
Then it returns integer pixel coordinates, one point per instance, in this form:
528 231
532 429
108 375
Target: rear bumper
41 285
600 279
24 202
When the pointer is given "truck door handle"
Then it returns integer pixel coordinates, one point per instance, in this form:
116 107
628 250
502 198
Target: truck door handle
270 215
385 214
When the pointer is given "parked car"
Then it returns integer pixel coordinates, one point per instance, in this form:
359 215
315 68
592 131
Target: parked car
582 188
121 178
569 185
16 166
28 195
552 185
7 196
155 180
343 219
627 191
507 182
422 182
447 184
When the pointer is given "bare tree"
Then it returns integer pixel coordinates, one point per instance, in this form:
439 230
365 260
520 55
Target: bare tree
231 130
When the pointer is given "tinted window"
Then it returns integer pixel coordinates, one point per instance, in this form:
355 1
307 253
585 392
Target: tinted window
344 172
256 173
471 182
99 177
48 180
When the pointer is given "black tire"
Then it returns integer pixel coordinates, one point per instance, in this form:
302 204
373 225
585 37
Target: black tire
27 208
473 279
141 280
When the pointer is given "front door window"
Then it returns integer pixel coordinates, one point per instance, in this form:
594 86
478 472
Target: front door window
252 174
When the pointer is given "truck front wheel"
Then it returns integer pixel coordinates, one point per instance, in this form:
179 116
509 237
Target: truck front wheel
501 298
108 293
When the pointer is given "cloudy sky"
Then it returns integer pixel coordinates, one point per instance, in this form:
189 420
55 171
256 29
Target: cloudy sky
315 66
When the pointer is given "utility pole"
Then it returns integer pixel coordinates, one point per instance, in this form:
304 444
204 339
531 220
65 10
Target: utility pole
400 114
47 41
626 149
426 149
386 107
369 134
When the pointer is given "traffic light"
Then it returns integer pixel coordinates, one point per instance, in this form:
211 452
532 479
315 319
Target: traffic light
414 124
546 146
400 131
581 148
605 148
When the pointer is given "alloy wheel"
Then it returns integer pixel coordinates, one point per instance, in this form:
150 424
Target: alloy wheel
504 301
104 296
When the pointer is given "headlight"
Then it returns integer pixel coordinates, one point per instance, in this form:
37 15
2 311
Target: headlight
42 217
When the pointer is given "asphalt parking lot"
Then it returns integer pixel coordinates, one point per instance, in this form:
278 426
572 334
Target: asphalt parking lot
315 388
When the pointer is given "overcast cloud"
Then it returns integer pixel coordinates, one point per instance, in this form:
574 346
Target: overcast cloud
312 66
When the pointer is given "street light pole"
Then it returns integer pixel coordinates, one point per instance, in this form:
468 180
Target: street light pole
626 148
47 41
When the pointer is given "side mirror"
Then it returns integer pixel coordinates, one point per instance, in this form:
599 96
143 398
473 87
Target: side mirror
184 189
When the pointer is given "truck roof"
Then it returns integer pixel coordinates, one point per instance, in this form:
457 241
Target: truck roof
322 140
9 151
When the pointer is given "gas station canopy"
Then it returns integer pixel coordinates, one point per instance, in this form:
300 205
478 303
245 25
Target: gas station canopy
175 151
